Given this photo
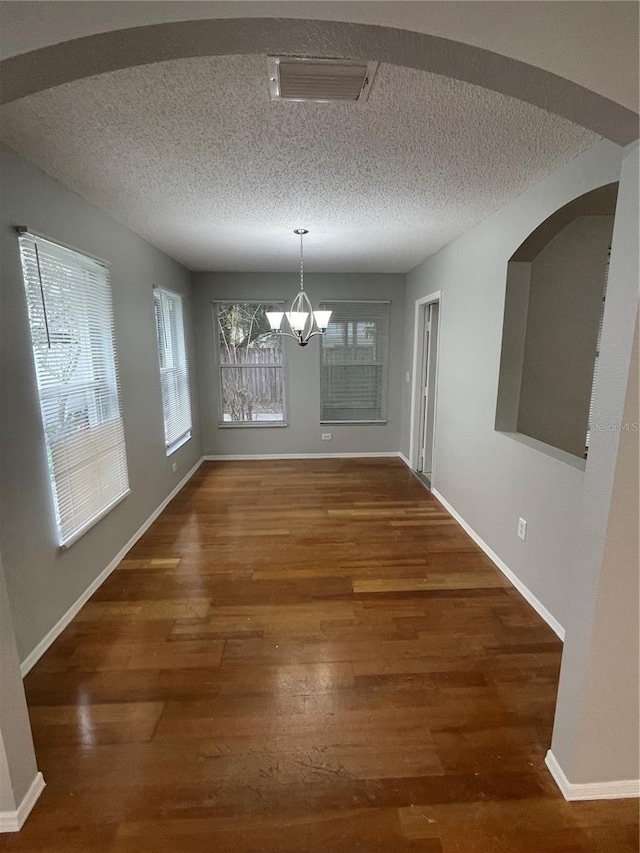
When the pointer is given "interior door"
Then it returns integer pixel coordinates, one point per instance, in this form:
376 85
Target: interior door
428 407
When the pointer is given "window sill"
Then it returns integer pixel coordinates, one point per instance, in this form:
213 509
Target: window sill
107 509
548 449
178 444
252 425
356 423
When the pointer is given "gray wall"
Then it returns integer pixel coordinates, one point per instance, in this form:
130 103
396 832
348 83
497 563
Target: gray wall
595 734
514 335
565 304
43 580
302 435
489 477
17 758
607 742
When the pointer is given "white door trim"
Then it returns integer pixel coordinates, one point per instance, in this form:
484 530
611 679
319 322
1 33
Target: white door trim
416 389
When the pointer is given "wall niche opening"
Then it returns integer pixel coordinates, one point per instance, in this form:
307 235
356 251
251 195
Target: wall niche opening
554 302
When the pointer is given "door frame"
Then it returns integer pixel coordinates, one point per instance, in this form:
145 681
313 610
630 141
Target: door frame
419 324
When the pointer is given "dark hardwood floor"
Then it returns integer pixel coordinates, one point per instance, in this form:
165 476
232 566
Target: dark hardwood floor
305 656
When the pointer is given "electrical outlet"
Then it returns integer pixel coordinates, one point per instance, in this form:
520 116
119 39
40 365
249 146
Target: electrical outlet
522 529
174 467
326 436
407 377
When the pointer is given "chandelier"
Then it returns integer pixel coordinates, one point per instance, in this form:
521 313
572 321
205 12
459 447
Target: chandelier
302 320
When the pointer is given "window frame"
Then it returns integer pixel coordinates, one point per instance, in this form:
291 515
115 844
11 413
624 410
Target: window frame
384 364
158 292
275 304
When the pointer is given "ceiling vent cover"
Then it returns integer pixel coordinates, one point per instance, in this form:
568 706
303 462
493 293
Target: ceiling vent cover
294 78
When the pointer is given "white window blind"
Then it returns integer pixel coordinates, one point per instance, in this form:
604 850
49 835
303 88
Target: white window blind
355 347
174 369
597 359
71 319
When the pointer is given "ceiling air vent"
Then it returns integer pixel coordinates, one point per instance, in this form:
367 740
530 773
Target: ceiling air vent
303 79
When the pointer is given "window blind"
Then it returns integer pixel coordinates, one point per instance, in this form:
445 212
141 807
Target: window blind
71 320
174 368
353 381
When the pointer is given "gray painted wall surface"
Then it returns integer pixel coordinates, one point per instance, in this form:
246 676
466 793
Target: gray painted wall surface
599 663
514 334
608 744
565 304
43 580
490 478
302 435
17 758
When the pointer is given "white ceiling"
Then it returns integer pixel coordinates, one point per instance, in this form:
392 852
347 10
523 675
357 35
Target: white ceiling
193 155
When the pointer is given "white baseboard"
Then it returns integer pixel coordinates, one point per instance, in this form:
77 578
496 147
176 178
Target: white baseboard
620 790
13 821
524 591
404 459
254 456
34 656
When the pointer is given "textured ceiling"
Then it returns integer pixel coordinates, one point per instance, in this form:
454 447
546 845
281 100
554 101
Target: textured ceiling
193 155
592 44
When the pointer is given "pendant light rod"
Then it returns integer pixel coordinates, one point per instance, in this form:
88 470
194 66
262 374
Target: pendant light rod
301 232
303 321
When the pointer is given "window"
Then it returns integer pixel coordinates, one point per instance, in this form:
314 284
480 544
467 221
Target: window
353 381
174 369
251 364
71 319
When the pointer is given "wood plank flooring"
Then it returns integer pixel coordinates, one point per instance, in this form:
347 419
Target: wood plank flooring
305 656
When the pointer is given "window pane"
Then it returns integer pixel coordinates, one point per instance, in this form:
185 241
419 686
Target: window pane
71 321
250 356
174 367
354 392
244 336
252 394
351 342
354 362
